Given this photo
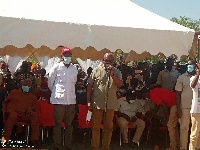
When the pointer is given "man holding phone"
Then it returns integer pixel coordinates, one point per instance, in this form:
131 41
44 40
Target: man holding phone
195 108
101 98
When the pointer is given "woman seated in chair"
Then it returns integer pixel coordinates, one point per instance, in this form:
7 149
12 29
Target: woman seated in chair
20 106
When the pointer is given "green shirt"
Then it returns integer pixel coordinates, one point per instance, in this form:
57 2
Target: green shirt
167 79
100 81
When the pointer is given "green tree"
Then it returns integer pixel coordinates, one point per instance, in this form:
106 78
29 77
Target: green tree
190 23
120 55
33 60
187 22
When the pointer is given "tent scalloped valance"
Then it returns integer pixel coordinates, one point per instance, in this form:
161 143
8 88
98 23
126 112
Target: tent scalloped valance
77 52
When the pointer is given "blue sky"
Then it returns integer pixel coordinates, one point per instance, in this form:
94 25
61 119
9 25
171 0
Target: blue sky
172 8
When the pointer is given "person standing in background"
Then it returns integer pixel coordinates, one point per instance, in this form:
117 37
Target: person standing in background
184 101
167 77
23 74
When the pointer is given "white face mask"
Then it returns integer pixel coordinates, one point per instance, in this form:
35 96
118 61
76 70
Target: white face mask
131 101
67 60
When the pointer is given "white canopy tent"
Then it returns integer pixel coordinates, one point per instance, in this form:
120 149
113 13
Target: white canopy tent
79 24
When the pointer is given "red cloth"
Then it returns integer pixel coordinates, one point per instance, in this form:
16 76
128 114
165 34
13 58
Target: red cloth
44 84
42 95
158 95
20 102
118 94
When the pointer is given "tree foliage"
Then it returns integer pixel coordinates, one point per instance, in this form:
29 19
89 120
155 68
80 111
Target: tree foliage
187 22
33 60
119 58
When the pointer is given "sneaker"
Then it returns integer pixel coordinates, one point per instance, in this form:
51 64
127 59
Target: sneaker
133 144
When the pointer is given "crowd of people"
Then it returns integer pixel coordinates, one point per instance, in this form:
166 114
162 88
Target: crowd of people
148 97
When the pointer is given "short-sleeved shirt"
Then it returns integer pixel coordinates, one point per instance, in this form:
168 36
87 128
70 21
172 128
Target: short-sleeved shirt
167 79
147 105
62 82
183 85
100 80
127 108
195 107
157 95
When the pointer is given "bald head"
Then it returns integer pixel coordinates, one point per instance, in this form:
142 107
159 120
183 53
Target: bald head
108 57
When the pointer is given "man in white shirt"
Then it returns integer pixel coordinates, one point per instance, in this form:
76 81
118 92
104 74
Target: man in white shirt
61 81
195 108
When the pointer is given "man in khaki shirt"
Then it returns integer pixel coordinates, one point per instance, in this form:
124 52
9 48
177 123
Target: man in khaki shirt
101 97
183 102
167 77
129 112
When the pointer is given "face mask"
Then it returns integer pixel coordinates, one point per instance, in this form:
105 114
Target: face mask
174 68
79 91
107 65
44 90
131 101
190 68
67 60
25 89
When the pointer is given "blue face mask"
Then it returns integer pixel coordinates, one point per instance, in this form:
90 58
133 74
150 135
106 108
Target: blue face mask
44 90
190 68
67 60
25 89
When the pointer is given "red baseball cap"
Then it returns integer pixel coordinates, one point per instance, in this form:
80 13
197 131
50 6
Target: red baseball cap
66 49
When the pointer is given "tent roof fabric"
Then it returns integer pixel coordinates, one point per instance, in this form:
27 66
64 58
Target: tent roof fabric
110 24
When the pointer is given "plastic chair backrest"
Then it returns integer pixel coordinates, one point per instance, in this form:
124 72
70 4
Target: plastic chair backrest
38 104
46 114
82 117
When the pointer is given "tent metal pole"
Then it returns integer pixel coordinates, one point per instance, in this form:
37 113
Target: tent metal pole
198 48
